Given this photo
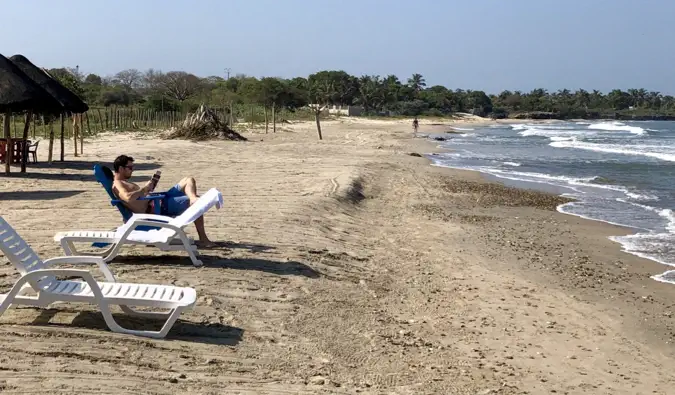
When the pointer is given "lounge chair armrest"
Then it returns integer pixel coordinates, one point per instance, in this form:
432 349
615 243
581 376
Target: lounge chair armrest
83 260
151 217
83 274
132 225
142 222
150 197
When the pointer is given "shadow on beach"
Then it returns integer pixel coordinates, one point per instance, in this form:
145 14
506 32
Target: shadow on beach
33 170
88 165
211 333
38 195
281 268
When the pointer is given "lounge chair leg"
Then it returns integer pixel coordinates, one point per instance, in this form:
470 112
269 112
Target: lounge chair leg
112 251
147 314
7 299
70 250
68 247
190 250
6 302
115 327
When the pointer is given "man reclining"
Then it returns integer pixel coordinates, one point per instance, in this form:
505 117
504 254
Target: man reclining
177 200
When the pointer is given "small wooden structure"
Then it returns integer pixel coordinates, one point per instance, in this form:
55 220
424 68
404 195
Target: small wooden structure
71 103
19 93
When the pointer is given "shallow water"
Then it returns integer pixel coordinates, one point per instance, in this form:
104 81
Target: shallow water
620 172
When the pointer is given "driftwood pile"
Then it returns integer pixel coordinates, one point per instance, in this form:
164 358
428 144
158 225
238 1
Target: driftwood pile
204 124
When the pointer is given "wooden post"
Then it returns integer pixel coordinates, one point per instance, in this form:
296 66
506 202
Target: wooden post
33 122
8 141
26 128
100 118
86 115
82 133
317 113
267 122
44 127
51 142
74 128
274 117
14 125
63 136
231 115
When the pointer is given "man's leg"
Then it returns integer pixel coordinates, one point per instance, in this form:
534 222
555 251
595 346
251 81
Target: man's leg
189 186
201 231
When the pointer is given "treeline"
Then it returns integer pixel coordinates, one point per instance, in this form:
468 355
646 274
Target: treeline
181 91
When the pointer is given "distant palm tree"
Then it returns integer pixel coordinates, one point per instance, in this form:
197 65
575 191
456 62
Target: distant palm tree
583 98
416 83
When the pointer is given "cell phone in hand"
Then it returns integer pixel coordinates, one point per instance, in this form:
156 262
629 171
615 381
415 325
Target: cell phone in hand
155 179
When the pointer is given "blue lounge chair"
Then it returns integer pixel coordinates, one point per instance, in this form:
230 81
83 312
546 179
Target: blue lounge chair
105 176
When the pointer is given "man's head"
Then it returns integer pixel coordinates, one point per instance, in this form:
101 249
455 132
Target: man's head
124 166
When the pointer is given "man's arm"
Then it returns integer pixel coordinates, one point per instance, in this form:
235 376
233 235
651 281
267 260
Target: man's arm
126 193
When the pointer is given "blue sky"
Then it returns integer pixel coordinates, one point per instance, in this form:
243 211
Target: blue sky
490 45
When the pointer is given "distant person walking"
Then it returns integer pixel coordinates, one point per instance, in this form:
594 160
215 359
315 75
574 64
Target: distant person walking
416 125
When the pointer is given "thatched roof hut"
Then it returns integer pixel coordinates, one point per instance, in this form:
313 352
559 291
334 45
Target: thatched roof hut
69 100
18 92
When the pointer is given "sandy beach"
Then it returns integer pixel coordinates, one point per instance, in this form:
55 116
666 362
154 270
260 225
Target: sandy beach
344 266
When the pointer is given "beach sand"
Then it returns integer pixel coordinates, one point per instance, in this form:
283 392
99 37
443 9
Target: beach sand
345 266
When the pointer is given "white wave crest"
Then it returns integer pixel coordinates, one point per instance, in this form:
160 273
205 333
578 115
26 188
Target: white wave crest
618 126
652 151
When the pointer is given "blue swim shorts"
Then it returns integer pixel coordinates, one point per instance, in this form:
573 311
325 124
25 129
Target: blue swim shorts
175 202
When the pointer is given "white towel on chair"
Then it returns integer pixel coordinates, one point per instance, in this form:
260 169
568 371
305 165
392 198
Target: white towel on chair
211 198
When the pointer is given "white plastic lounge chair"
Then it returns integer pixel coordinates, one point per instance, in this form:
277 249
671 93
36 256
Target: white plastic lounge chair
39 277
170 236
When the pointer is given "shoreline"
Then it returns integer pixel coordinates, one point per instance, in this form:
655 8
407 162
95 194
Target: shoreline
627 229
642 271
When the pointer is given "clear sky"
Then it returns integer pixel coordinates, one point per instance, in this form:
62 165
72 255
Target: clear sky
490 45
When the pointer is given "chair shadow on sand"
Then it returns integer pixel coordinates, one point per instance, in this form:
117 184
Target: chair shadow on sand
210 333
281 268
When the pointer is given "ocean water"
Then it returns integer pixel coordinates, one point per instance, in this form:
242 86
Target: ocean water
619 172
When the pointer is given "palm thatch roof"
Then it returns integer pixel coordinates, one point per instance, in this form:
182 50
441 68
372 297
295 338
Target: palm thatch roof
18 92
69 100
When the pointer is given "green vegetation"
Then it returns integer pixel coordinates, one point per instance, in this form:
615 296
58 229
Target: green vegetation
250 98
